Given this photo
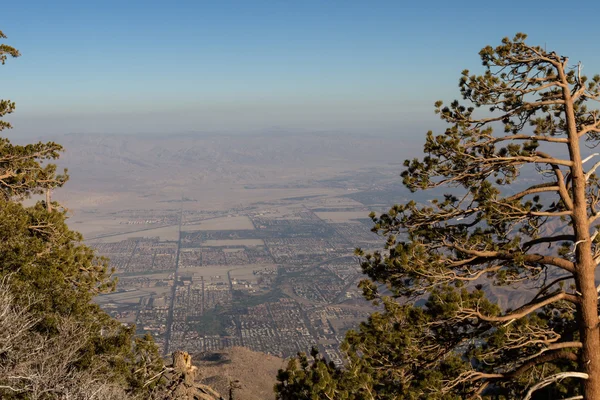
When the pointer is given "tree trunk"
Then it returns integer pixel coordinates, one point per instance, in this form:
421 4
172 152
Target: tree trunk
589 329
590 334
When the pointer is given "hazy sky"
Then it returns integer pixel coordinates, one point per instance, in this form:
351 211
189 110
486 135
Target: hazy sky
171 66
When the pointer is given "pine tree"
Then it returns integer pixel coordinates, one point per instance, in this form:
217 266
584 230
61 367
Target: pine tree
305 380
520 211
54 276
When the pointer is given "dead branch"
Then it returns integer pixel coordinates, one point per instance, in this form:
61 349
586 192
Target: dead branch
554 378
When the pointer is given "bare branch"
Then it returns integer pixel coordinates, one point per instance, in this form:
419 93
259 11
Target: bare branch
544 187
537 258
548 239
591 171
538 138
522 311
588 158
545 288
554 378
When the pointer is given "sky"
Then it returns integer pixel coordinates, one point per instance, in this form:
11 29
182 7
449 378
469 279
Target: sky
250 66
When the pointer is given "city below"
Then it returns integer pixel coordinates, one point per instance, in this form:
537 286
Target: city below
277 278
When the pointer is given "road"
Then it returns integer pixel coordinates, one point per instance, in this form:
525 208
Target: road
173 291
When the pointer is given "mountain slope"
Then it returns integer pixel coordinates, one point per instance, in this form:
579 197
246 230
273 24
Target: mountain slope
256 372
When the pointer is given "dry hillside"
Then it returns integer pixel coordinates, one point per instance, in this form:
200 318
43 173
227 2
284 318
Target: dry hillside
255 372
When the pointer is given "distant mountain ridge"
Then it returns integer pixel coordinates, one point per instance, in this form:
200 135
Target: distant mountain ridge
130 163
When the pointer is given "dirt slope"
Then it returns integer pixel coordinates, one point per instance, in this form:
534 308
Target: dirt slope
256 372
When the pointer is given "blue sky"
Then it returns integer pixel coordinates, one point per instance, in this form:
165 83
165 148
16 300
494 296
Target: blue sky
245 66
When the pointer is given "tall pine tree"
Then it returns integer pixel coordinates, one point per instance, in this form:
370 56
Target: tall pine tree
521 211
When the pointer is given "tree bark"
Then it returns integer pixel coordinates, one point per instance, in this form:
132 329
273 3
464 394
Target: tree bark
590 334
585 266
